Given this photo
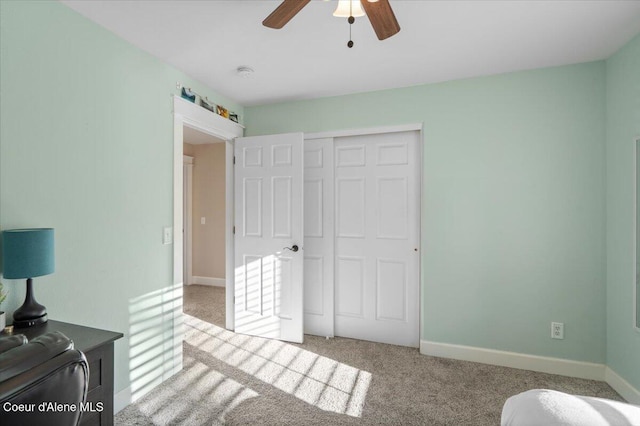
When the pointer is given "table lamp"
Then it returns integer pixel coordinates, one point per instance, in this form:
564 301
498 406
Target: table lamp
28 253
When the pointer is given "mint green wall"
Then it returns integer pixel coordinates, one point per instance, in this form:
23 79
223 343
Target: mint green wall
86 145
623 127
513 187
514 220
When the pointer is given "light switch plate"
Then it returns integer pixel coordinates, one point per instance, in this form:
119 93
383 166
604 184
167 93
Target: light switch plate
167 235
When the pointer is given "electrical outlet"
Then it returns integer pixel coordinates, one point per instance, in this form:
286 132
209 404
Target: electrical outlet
557 330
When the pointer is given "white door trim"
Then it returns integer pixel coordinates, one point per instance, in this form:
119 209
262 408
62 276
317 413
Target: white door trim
188 223
636 299
423 223
365 131
230 269
191 115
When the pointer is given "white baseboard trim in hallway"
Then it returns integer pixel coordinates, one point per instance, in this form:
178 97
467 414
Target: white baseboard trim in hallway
621 386
216 282
564 367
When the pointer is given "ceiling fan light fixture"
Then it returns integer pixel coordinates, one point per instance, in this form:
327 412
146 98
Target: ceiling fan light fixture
348 8
379 12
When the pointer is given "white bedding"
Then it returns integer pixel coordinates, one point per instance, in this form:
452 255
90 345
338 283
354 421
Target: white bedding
542 407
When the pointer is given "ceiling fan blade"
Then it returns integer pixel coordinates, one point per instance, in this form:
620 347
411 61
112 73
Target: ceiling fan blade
283 13
382 18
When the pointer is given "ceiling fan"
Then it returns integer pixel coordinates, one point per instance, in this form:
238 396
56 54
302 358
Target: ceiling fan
380 15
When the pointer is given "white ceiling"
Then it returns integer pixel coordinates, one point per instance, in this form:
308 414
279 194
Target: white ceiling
308 58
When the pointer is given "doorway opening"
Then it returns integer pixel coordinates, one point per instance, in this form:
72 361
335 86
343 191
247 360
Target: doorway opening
204 224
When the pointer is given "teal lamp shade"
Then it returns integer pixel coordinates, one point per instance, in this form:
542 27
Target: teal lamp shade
27 253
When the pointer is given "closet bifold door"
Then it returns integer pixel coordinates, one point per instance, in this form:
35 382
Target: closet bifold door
377 237
318 237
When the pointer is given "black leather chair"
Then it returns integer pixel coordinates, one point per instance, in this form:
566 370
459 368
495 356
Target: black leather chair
42 382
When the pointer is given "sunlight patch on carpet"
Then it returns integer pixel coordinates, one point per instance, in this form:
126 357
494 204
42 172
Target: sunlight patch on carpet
199 395
314 379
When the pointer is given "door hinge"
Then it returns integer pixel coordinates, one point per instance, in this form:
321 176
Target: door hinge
234 160
234 229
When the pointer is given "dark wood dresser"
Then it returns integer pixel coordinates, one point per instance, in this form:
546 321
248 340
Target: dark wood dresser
97 346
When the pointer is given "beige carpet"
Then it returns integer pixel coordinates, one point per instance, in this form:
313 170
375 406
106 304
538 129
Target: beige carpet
235 379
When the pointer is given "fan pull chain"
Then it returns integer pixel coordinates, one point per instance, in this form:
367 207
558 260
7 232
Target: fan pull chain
351 20
350 43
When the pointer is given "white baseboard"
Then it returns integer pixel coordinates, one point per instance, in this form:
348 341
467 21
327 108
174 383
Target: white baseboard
621 386
121 400
563 367
216 282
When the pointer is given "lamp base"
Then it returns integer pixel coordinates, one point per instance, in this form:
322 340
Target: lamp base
31 312
30 322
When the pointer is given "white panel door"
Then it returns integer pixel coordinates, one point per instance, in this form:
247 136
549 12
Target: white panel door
268 220
377 229
318 237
